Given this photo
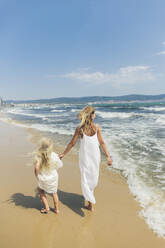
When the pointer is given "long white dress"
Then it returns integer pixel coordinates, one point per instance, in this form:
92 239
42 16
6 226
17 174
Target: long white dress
89 163
48 179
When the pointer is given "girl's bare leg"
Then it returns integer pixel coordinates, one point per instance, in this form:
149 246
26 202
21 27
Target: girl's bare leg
55 200
44 199
90 206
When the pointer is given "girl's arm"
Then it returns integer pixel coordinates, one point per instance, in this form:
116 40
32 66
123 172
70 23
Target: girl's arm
57 160
36 168
71 143
103 145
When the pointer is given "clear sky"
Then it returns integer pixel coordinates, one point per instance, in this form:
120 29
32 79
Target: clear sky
58 48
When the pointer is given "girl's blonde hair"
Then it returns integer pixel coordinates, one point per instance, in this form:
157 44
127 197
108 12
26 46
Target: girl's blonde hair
85 116
44 151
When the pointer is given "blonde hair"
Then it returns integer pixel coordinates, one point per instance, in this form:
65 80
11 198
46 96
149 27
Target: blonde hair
85 116
44 151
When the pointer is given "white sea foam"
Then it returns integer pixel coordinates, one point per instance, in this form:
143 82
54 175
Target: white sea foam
52 129
75 110
36 115
11 121
161 119
5 119
114 114
40 127
151 198
36 106
160 176
156 109
57 110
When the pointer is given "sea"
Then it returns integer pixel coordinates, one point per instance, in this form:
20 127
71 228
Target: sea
134 132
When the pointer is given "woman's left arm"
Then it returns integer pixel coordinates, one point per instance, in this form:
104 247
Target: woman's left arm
71 143
103 145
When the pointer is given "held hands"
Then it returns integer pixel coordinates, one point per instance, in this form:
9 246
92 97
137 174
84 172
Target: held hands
61 155
109 161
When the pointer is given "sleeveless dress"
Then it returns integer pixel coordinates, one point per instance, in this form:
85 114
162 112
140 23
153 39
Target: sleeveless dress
89 163
48 179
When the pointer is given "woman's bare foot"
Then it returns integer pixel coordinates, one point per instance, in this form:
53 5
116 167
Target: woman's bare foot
56 210
90 207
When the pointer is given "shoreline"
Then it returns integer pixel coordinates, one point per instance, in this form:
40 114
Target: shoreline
115 222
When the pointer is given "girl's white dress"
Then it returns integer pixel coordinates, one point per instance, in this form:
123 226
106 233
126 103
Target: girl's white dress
89 163
48 179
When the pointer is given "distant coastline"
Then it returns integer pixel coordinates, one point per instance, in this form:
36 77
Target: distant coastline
125 98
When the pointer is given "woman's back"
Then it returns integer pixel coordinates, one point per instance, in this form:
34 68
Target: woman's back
89 161
91 130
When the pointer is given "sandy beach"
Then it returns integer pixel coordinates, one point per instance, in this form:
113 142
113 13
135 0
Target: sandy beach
115 222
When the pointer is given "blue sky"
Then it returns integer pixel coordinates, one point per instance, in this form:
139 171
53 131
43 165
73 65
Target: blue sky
70 48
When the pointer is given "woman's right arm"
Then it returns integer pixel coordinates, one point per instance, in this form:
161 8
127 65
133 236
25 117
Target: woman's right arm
103 145
71 143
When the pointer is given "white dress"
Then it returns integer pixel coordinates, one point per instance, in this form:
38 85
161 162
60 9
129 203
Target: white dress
48 179
89 163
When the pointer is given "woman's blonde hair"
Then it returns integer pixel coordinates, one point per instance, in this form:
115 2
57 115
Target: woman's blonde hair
85 116
44 151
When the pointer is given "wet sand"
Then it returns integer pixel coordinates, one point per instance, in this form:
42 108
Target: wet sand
115 222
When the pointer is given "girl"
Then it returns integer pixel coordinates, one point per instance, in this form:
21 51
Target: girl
46 164
89 153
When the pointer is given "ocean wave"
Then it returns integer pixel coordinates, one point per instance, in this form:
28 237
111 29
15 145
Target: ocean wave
150 196
40 127
36 106
57 110
44 116
151 200
75 110
158 118
114 114
161 119
155 109
52 129
13 122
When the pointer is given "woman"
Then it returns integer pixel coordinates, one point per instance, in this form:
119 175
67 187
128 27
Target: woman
89 153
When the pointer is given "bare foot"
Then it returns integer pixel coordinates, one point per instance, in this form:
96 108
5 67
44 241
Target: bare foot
90 207
44 211
56 211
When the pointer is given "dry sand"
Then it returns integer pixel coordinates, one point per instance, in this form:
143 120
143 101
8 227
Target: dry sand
115 222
